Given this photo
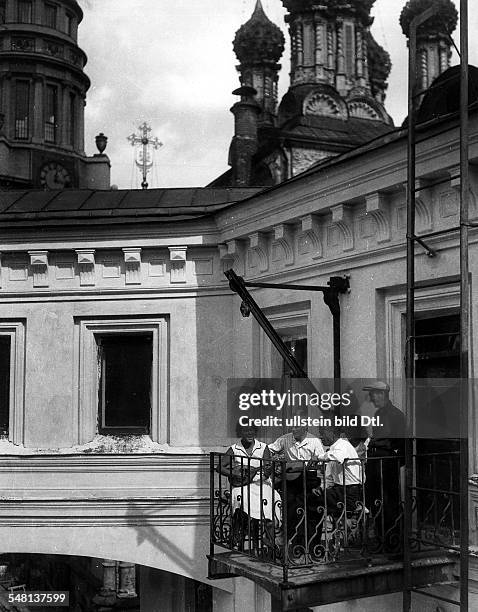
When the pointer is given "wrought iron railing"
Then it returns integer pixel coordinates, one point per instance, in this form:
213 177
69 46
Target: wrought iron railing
289 515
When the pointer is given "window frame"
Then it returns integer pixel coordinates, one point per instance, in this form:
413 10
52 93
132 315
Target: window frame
87 375
288 320
16 331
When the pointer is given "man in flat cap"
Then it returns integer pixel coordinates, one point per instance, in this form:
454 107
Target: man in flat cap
386 454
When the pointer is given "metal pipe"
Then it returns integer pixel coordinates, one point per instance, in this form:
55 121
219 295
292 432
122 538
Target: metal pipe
464 302
410 346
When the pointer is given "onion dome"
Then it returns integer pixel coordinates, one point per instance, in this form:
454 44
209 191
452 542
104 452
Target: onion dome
259 40
441 24
379 65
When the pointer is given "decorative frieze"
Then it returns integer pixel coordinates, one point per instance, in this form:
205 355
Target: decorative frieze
283 244
308 241
231 255
132 261
177 258
86 266
376 206
39 266
258 251
342 219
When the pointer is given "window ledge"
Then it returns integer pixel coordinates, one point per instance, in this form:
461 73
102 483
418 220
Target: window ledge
109 445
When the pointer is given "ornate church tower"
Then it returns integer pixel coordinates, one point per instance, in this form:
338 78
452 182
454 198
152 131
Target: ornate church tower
331 47
42 98
259 45
433 38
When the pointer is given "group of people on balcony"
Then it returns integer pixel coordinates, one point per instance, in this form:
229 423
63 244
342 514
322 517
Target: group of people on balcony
307 480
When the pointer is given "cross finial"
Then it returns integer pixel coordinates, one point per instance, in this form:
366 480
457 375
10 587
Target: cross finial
144 161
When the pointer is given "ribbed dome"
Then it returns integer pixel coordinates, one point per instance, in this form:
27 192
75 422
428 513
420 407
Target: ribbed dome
443 23
259 39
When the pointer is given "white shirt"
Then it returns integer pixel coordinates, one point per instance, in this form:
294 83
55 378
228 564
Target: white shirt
341 450
257 452
298 451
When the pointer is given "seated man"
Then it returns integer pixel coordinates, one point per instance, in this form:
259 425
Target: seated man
299 448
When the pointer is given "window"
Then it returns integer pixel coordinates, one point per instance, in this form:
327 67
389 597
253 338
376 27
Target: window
22 109
12 352
72 124
50 15
3 11
69 24
25 11
51 104
125 363
122 376
5 351
349 50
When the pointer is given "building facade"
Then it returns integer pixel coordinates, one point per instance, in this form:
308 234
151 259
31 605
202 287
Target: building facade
118 334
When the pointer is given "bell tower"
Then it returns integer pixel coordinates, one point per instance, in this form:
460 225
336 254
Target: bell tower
42 98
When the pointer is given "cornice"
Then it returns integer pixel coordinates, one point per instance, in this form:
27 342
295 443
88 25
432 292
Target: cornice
111 462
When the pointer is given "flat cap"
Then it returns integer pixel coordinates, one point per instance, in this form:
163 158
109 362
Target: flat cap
379 385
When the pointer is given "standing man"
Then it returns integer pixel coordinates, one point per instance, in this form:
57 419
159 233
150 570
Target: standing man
299 448
386 456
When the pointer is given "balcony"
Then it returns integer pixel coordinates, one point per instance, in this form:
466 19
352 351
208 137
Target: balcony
309 543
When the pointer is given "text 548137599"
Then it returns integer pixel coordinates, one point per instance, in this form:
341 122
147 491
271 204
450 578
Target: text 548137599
41 598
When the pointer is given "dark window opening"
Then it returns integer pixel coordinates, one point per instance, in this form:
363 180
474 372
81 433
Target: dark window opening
298 348
4 384
349 51
50 15
25 11
51 104
22 109
3 11
125 363
437 356
69 24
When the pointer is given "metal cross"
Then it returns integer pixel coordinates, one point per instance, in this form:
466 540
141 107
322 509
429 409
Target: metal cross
144 160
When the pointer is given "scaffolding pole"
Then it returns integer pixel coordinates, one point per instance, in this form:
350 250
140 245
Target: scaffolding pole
412 285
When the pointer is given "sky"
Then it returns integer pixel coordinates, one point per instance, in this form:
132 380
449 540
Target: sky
170 63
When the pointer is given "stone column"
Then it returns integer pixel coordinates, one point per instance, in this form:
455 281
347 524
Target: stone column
105 600
127 579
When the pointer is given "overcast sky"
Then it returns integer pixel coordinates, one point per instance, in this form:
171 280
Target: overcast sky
170 63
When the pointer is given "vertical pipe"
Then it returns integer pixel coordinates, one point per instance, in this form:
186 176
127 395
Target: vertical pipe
336 349
410 318
211 505
464 302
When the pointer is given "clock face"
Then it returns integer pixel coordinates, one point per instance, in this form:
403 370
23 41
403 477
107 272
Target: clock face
54 176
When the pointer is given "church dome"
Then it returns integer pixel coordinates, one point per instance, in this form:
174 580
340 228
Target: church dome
259 39
443 23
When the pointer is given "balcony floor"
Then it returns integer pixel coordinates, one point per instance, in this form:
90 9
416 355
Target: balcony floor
325 584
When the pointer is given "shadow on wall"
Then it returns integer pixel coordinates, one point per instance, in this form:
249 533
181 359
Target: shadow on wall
189 557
